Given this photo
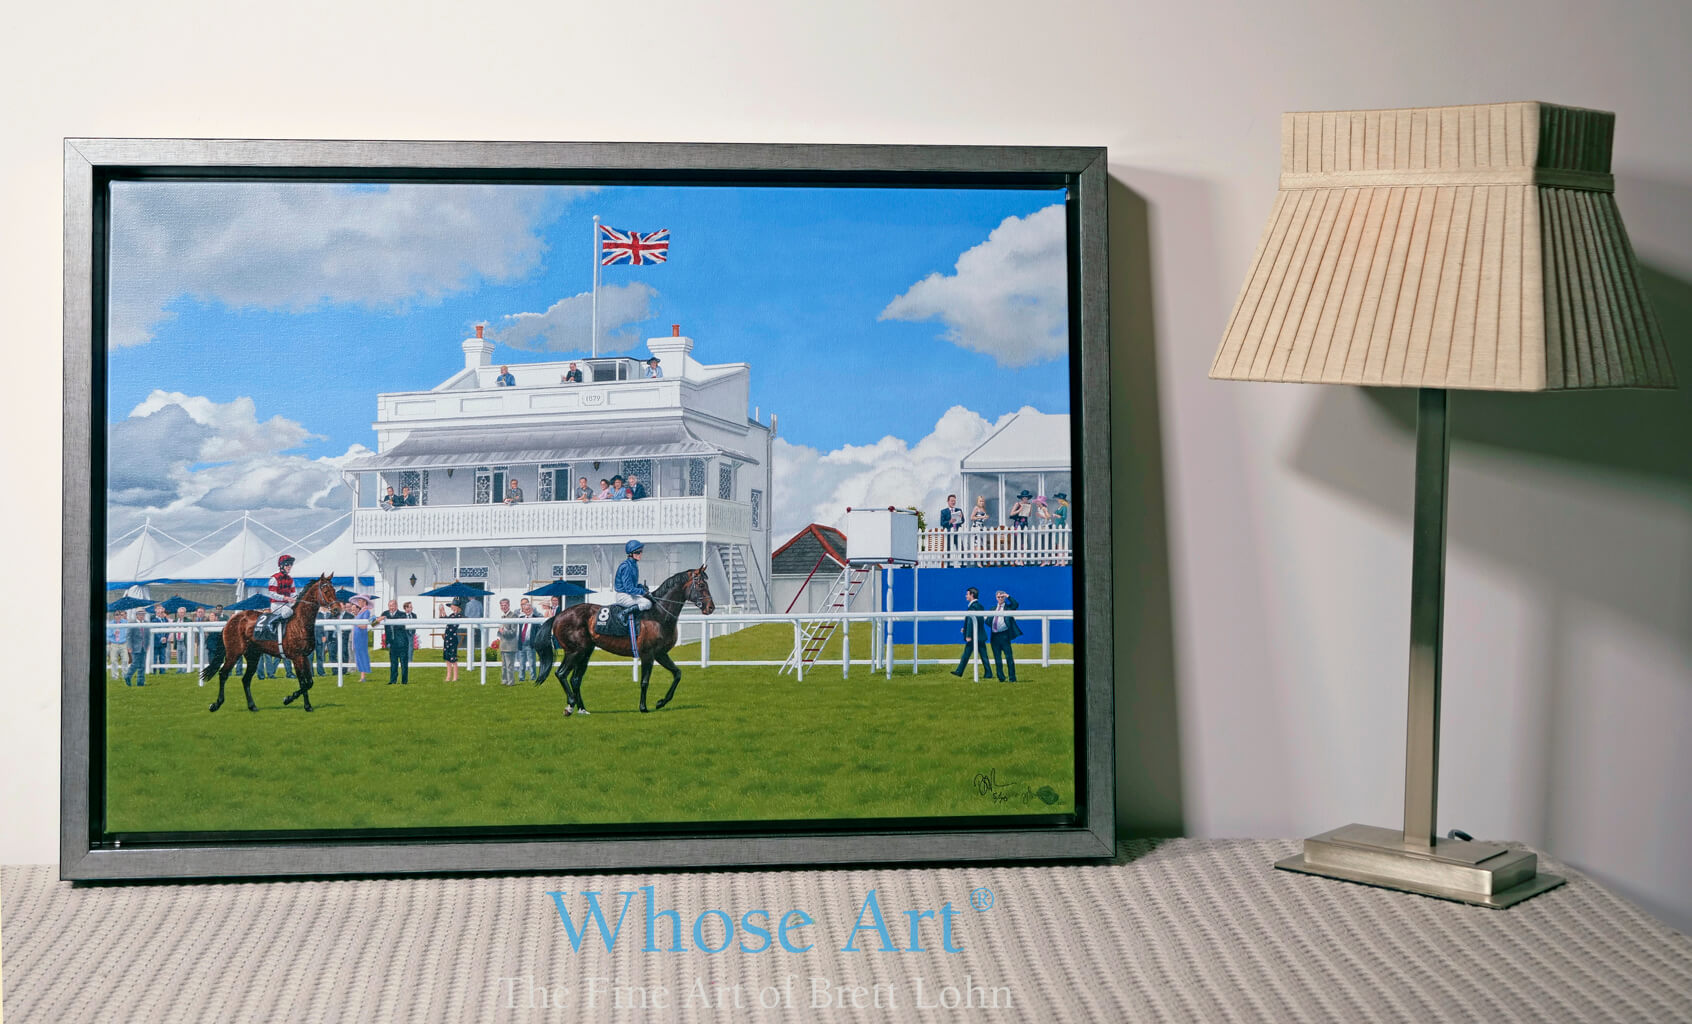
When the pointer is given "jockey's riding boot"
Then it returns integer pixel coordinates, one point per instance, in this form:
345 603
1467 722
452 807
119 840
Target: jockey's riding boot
634 625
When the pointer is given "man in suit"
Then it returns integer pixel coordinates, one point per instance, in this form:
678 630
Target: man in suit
526 630
1002 629
975 635
138 642
635 487
952 519
398 638
571 376
507 644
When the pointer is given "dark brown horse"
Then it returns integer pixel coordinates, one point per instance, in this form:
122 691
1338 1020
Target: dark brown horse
572 634
298 639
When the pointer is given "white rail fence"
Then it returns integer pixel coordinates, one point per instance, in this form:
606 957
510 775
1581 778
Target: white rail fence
188 654
1002 545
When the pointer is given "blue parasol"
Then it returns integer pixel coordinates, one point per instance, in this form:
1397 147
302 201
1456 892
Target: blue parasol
559 588
455 590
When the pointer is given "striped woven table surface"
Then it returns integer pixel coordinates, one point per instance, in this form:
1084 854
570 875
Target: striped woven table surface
1174 930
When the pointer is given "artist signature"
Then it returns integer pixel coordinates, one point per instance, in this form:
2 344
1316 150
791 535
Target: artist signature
987 784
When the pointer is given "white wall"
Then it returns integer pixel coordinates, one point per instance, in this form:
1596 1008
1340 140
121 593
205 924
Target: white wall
1264 561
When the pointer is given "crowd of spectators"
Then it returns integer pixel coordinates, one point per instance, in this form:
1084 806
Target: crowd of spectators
134 649
1029 511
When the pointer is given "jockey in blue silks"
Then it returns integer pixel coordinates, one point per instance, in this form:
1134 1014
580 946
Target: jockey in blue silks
630 591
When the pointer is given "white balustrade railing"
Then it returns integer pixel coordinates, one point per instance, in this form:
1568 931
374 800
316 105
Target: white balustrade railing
550 520
334 653
1003 545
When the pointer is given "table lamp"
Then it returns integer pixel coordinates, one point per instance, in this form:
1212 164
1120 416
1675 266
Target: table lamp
1435 248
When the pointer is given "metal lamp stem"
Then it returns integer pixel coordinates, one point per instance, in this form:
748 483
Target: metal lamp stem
1416 859
1427 619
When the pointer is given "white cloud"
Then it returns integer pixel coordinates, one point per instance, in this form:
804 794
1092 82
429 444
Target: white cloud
297 246
567 324
818 487
1009 297
188 462
232 428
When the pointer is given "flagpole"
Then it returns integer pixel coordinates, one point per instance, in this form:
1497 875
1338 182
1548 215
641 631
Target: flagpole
593 339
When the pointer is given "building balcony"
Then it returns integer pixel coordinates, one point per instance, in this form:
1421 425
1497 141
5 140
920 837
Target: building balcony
1000 545
554 522
404 409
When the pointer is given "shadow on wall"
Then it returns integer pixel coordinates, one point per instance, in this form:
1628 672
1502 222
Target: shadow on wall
1591 508
1148 745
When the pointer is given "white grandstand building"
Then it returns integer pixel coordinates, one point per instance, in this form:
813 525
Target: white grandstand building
689 435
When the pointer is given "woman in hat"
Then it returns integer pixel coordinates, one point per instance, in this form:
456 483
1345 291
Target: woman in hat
449 642
361 638
1021 509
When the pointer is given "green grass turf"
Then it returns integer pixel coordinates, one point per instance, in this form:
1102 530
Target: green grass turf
737 744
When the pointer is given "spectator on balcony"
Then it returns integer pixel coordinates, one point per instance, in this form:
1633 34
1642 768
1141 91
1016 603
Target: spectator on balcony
571 376
583 491
513 493
951 521
1021 509
604 491
390 500
978 521
653 369
505 380
619 489
635 487
406 499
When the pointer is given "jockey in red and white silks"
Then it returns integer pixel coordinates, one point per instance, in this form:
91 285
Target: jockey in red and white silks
281 591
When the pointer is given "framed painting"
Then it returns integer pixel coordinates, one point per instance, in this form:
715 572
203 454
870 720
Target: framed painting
527 506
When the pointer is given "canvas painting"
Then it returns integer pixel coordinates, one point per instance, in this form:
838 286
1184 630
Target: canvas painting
398 476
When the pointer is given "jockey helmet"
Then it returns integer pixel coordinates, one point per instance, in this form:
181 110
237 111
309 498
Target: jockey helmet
284 561
632 546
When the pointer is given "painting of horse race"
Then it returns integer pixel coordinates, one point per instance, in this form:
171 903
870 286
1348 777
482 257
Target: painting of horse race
562 508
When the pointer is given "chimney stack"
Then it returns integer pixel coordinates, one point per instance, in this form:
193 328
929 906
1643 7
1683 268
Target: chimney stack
478 351
672 352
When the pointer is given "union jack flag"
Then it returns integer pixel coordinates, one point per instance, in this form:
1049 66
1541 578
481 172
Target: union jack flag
632 247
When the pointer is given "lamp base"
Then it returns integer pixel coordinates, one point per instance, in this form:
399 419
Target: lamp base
1481 874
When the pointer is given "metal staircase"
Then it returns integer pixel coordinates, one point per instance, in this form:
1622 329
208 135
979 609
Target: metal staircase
742 592
815 634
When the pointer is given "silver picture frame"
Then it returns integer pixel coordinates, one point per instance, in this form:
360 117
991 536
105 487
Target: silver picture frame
87 853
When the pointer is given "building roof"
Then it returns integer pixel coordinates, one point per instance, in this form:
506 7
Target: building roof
799 555
459 447
1029 440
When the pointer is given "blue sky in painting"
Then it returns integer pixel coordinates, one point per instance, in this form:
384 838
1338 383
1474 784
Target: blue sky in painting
252 325
790 280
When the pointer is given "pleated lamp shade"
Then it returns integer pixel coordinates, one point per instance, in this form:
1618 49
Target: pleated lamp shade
1472 247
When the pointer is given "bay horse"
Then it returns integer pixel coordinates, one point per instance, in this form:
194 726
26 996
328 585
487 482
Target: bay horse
571 632
298 640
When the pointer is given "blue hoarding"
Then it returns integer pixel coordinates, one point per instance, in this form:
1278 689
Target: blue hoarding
1043 587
